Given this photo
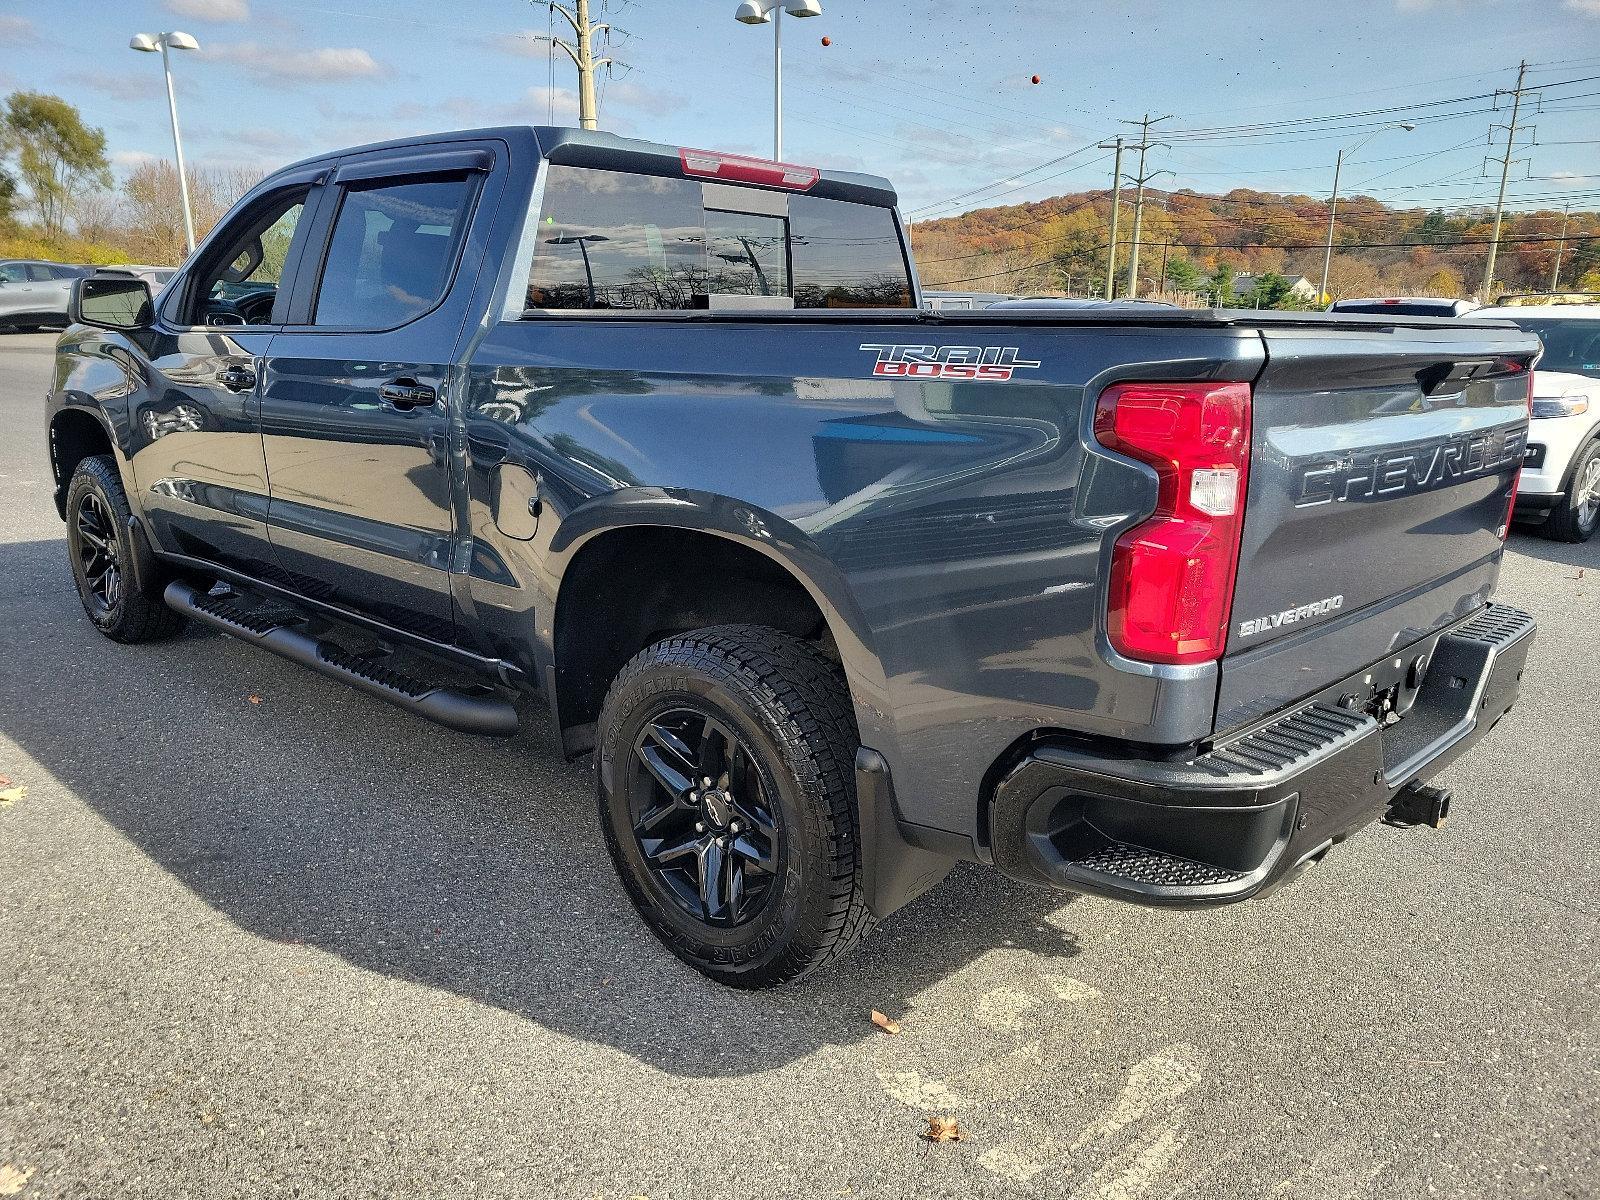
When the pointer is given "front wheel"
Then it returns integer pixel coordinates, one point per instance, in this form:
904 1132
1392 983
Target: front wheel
727 796
100 542
1578 514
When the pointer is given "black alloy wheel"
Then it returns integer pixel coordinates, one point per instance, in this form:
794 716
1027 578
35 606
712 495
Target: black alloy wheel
100 556
725 777
122 598
702 817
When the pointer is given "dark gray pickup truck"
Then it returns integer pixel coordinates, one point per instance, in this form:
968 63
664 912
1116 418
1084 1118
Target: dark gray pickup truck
1158 605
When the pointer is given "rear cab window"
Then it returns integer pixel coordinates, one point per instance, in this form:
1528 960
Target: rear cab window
617 240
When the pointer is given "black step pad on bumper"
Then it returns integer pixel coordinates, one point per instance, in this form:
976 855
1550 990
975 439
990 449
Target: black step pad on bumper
1226 824
469 711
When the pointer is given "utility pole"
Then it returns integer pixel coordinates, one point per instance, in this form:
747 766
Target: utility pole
1561 246
1116 211
1144 145
1505 175
581 51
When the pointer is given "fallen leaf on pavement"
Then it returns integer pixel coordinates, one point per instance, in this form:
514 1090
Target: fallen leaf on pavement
943 1129
6 781
8 797
12 1179
884 1023
255 699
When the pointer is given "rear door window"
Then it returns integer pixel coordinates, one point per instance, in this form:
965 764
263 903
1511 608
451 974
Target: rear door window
393 249
615 240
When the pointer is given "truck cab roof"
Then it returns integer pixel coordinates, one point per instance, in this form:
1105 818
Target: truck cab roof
607 151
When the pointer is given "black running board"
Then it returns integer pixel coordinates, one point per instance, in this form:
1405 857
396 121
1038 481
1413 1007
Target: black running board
466 711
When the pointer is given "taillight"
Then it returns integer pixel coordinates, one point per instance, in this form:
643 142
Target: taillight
1172 576
1516 480
736 168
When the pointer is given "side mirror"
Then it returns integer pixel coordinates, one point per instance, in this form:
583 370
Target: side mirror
110 302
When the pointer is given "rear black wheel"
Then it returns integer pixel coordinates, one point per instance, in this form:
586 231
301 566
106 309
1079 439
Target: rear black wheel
122 606
727 796
1577 515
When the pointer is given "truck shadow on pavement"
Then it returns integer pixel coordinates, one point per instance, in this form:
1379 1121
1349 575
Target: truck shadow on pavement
310 815
1531 544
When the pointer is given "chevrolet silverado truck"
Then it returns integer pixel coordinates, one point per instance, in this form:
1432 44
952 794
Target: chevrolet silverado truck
1153 604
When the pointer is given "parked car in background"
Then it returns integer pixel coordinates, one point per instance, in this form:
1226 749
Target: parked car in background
1545 299
156 277
940 301
1561 466
34 292
1079 303
1406 306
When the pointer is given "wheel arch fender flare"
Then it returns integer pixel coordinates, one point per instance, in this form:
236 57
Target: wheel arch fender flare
754 528
75 408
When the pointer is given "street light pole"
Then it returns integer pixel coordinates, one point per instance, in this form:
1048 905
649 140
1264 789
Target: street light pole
177 147
165 42
777 83
764 12
1333 204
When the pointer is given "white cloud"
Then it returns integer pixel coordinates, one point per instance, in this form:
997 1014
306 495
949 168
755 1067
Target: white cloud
127 160
328 65
209 10
537 104
524 43
16 30
1589 8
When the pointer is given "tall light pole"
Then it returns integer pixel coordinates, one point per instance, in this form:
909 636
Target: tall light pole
581 51
164 42
764 12
1333 205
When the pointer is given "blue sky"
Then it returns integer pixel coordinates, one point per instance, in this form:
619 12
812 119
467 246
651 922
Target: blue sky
933 93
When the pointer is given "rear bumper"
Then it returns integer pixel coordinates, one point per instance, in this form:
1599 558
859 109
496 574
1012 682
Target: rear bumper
1242 818
1535 506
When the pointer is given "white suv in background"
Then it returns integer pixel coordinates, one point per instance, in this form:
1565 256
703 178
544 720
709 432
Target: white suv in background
1561 473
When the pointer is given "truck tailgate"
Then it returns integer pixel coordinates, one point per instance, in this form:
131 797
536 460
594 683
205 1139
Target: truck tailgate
1382 463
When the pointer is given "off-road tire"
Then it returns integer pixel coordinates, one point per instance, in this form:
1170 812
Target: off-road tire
790 707
138 614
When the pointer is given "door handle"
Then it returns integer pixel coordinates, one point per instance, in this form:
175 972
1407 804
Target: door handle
406 394
237 379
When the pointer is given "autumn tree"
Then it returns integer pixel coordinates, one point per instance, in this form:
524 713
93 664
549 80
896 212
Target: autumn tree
152 208
56 155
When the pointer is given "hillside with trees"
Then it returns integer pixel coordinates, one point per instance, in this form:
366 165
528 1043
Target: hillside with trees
60 200
1059 245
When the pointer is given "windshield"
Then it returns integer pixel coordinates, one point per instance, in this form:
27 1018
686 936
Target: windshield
1569 345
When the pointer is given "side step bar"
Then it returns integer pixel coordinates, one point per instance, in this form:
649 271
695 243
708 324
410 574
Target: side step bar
466 711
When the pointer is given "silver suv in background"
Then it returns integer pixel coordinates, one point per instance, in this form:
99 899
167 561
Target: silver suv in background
33 293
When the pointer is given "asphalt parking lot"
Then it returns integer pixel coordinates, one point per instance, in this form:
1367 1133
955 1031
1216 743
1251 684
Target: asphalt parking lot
261 935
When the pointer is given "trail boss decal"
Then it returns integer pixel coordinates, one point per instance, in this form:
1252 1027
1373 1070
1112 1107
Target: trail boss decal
1290 616
982 364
